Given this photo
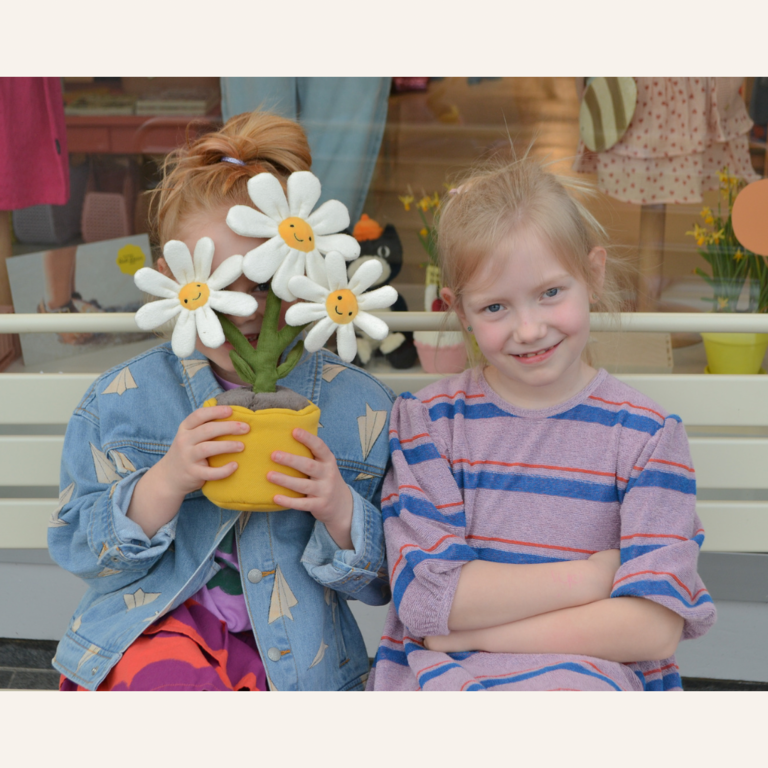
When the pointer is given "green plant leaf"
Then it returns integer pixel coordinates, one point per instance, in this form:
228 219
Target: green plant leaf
291 359
243 370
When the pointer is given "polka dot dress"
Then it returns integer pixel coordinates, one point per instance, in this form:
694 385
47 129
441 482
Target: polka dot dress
683 132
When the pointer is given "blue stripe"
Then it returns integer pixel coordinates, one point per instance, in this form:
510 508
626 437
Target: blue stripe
461 408
457 553
699 539
417 454
389 654
661 587
408 396
638 550
500 556
422 508
591 414
569 665
437 671
525 483
654 478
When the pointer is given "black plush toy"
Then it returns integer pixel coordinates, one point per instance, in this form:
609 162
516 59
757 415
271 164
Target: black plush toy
383 245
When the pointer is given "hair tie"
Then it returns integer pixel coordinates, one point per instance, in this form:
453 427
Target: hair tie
232 160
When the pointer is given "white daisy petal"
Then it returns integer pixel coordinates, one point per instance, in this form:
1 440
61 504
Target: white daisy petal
179 260
304 288
315 267
329 217
268 196
184 335
292 266
365 276
346 342
303 313
346 245
233 303
303 193
373 326
336 270
249 222
262 262
208 327
320 334
156 313
381 298
203 259
154 282
226 273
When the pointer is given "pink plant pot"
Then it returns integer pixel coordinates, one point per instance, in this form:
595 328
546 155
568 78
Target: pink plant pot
452 359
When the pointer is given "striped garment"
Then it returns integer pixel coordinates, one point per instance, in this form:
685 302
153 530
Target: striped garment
475 478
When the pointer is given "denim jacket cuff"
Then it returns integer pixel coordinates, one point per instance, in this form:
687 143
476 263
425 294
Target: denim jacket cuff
132 544
347 570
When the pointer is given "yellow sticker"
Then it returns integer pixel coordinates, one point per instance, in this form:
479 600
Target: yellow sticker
130 259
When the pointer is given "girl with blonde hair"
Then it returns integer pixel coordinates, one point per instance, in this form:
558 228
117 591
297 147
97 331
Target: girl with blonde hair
539 514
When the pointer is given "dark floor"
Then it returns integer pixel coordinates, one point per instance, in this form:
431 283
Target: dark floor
26 664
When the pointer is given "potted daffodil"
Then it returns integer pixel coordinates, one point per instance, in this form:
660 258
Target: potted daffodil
304 258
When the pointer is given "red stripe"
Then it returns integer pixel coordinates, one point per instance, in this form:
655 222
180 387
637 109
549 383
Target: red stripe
452 504
533 544
656 536
660 669
536 466
672 464
626 402
451 397
416 546
658 573
410 439
391 639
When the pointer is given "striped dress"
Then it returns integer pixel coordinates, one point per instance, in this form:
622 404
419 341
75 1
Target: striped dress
474 477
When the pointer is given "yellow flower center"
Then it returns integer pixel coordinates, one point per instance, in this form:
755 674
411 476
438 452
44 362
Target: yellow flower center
297 234
194 295
342 306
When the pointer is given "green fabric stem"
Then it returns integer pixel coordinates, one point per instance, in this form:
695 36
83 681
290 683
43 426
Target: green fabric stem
261 367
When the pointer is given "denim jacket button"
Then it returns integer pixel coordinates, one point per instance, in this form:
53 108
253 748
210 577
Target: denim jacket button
254 576
274 654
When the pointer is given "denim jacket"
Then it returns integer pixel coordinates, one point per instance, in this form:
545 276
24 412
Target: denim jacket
296 581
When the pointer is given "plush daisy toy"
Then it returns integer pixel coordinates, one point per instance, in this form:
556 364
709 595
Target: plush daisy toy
194 297
298 240
298 236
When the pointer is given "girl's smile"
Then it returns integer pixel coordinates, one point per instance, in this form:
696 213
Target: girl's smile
530 318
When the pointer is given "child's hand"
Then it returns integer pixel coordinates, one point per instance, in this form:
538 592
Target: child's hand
606 564
327 497
159 494
186 463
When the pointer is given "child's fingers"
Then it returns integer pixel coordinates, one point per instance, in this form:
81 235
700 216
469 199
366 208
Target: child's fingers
303 503
217 447
214 429
297 484
315 444
203 415
218 473
306 466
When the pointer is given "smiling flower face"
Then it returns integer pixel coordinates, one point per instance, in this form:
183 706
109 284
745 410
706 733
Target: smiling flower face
298 236
339 305
193 296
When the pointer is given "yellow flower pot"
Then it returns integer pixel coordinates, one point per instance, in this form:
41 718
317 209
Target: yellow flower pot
735 352
247 488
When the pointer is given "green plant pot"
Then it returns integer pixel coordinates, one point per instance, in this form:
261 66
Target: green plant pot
735 352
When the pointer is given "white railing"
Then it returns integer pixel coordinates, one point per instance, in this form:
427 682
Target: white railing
669 322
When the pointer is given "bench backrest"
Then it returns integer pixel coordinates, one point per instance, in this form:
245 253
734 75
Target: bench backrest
726 418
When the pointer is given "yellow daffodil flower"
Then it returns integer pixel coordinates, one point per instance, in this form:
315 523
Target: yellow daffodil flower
435 201
716 237
406 200
424 232
739 255
424 203
722 303
701 235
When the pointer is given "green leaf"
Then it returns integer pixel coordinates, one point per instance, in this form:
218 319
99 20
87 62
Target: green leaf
243 370
291 359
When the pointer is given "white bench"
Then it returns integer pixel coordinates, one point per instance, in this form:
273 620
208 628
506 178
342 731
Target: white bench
726 418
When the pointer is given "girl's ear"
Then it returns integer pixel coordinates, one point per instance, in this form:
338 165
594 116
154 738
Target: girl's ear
163 268
597 257
449 297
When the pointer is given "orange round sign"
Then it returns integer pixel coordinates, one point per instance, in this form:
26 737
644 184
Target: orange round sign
750 217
